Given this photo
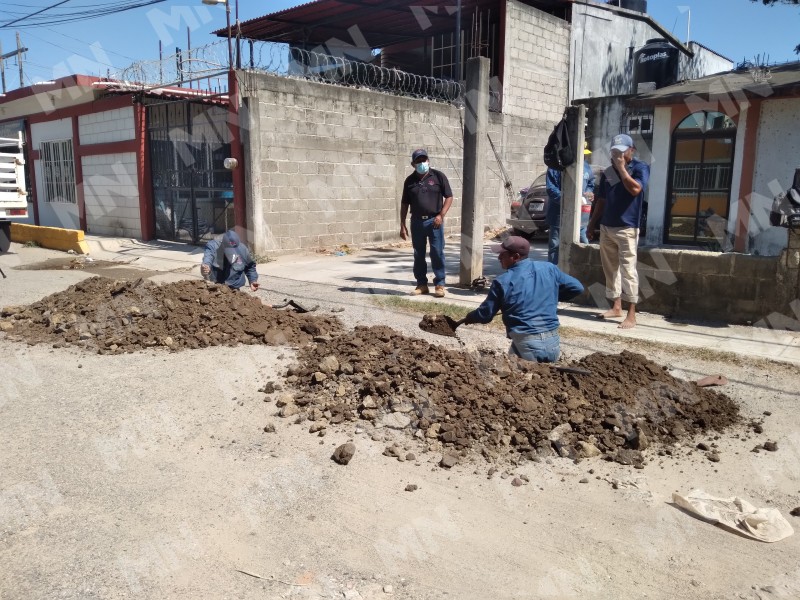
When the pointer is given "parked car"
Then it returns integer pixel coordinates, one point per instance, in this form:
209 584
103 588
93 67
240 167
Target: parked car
529 211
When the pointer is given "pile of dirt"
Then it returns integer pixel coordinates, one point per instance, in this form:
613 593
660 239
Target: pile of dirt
114 316
496 404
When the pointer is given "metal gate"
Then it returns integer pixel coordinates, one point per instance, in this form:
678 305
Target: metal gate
192 190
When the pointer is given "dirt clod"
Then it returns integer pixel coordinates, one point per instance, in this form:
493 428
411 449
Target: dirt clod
344 453
795 512
770 446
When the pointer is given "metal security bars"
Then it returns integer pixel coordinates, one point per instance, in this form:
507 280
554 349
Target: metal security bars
58 170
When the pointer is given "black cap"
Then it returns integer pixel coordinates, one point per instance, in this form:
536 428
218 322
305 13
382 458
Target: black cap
419 153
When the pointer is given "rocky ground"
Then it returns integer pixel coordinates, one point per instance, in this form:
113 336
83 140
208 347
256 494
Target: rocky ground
135 468
458 402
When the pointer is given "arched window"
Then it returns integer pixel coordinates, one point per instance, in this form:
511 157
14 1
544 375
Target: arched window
700 181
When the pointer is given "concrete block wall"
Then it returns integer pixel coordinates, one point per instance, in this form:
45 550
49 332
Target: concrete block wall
735 288
108 126
537 59
111 194
325 164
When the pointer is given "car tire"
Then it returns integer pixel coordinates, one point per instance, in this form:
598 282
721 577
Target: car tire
5 236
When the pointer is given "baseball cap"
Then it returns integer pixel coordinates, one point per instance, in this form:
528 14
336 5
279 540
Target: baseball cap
621 142
419 153
230 239
515 244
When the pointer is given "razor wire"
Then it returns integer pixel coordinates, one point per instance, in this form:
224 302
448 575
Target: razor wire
208 61
287 61
283 60
339 70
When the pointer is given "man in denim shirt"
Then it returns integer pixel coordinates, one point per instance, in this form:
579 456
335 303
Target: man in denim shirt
227 260
528 293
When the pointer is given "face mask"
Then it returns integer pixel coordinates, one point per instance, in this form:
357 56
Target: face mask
422 168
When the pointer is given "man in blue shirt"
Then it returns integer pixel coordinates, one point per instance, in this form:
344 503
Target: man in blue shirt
227 260
553 214
528 294
619 210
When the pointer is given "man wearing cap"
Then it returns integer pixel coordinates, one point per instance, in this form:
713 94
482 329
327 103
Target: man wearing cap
227 260
619 211
553 214
427 193
528 294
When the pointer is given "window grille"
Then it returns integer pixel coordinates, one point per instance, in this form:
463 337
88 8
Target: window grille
58 171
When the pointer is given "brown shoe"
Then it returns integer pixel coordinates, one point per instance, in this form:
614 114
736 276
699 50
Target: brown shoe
438 292
420 289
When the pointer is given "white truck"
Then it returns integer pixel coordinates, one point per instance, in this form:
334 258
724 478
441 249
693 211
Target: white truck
13 196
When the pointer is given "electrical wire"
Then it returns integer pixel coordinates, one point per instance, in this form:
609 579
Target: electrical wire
97 11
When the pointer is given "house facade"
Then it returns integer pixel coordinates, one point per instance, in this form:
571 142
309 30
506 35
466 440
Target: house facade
107 158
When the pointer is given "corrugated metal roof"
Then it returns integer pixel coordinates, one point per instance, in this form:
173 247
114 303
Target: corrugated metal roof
380 22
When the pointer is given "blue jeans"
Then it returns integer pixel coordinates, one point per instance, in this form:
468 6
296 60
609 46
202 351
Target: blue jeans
536 347
552 244
422 231
555 239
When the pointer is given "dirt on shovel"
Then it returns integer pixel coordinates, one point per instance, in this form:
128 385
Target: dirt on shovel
439 325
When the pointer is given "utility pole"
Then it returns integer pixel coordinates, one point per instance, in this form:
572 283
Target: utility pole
2 68
19 60
18 53
476 122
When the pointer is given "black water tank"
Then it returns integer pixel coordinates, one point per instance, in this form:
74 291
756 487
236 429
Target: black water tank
655 65
637 5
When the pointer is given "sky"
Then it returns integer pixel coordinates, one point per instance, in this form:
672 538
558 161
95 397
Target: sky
737 29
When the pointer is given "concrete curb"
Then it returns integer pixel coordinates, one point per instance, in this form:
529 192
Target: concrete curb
54 238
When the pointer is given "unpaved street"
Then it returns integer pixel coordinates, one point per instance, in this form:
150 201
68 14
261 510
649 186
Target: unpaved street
150 475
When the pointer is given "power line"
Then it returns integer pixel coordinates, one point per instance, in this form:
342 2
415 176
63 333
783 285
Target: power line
34 13
60 18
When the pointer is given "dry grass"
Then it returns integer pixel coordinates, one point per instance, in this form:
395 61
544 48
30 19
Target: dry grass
574 333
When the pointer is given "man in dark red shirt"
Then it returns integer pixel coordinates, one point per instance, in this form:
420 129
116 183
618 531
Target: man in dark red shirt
427 193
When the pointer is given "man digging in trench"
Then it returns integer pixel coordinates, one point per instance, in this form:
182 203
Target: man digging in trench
528 293
227 260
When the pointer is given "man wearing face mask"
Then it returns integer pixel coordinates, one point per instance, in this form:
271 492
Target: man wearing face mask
619 210
227 260
427 193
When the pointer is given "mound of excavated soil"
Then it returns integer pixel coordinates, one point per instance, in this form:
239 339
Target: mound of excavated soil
122 316
494 404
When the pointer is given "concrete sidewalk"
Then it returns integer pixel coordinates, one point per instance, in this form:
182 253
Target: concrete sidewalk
388 271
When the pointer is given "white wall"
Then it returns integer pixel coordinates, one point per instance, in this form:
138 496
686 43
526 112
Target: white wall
52 214
703 63
108 126
777 156
601 44
111 194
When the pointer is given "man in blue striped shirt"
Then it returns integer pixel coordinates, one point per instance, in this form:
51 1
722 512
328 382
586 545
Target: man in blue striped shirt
528 293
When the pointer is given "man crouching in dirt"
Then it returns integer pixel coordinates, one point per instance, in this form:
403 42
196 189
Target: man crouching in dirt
227 260
528 293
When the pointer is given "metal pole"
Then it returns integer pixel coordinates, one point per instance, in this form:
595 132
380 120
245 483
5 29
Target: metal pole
238 41
189 51
458 41
19 60
2 68
230 46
